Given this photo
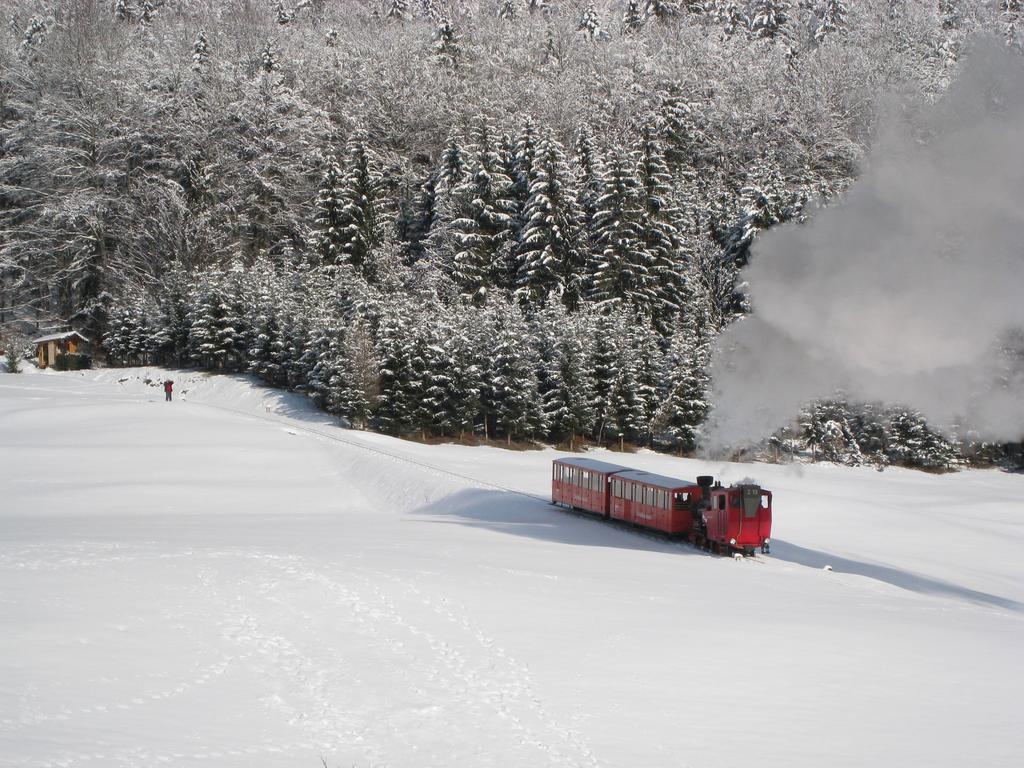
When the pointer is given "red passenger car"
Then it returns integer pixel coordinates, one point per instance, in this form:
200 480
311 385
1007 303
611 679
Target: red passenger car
582 484
654 501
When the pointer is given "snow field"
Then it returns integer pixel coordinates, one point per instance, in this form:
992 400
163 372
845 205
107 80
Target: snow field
231 580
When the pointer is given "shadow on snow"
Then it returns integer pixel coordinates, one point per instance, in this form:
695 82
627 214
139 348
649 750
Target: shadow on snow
783 550
536 519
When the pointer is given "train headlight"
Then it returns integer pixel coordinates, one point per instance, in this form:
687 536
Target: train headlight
767 540
732 542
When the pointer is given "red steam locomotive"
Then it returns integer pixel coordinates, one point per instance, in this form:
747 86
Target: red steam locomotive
737 518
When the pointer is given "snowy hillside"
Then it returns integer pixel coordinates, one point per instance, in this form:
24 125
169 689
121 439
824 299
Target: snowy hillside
230 580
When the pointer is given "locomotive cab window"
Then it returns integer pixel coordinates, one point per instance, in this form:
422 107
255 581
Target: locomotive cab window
721 501
751 501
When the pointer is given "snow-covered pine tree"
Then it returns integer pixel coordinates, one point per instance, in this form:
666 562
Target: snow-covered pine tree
517 406
686 407
626 404
117 339
355 389
234 337
569 395
507 10
660 235
831 18
950 15
623 268
200 52
447 48
912 443
454 164
605 360
124 11
282 15
360 220
268 58
662 10
208 322
398 10
524 157
551 257
173 302
645 345
767 18
148 10
423 217
589 172
590 23
481 231
329 236
730 15
394 412
632 17
325 340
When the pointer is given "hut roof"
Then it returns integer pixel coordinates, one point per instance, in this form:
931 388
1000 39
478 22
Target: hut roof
60 337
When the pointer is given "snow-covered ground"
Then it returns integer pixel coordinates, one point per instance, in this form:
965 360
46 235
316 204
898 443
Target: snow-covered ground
230 580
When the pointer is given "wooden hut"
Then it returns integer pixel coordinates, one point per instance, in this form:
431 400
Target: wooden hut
68 343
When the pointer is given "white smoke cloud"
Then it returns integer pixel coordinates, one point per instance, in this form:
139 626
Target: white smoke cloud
901 291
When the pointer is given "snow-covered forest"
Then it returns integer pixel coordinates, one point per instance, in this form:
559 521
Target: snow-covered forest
513 219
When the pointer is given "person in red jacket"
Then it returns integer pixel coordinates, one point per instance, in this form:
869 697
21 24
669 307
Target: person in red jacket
168 388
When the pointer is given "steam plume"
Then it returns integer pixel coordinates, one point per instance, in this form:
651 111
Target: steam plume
906 290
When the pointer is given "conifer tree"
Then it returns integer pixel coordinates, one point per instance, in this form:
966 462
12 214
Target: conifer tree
767 18
551 258
623 271
330 236
660 235
360 218
424 218
589 174
354 389
590 23
123 11
507 10
568 401
831 18
517 405
605 362
200 52
398 10
282 15
268 59
662 10
482 230
912 443
632 17
446 44
208 322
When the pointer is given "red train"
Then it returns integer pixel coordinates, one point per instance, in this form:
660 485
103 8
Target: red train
723 519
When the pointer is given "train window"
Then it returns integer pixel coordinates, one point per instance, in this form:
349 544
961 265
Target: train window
764 502
721 501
